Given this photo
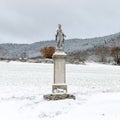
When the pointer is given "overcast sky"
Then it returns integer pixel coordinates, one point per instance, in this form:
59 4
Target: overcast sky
28 21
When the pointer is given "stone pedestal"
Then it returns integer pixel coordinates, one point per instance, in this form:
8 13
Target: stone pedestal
59 96
59 84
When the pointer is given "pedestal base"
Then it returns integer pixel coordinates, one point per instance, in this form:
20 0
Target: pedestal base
59 88
58 96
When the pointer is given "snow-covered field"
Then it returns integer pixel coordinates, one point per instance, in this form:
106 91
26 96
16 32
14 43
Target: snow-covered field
96 87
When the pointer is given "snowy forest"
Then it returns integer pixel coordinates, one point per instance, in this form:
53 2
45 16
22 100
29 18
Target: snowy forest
99 49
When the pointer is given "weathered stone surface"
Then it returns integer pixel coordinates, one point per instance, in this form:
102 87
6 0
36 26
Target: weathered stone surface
58 96
59 58
58 88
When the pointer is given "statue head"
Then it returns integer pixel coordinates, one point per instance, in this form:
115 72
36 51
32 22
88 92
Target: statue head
59 26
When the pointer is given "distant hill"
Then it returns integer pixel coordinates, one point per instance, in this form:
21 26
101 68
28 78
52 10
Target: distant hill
10 50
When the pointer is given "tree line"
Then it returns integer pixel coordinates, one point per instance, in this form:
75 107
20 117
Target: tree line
104 54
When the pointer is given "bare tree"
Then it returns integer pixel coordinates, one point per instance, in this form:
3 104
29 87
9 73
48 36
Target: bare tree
47 52
102 53
115 52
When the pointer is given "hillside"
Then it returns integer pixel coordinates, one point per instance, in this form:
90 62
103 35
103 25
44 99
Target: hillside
10 50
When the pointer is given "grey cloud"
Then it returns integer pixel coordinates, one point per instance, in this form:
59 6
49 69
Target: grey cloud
29 21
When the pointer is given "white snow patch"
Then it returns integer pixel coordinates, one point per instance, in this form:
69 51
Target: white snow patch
22 86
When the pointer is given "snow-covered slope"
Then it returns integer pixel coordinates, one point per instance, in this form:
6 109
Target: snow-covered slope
71 46
22 86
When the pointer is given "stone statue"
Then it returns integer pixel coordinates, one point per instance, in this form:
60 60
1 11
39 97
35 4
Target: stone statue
60 37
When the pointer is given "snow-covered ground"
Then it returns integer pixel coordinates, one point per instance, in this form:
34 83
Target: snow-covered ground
96 87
